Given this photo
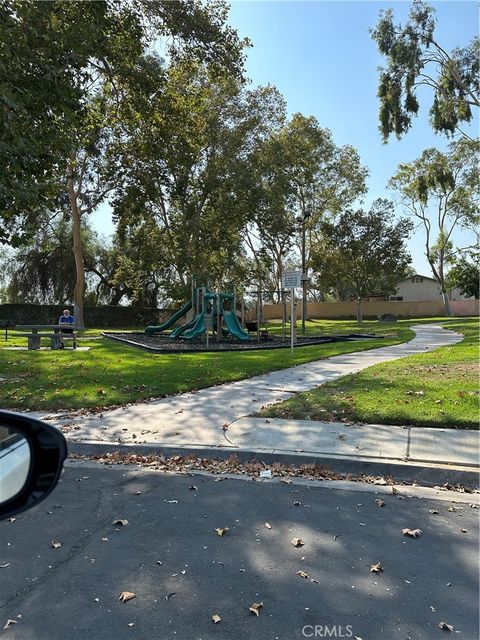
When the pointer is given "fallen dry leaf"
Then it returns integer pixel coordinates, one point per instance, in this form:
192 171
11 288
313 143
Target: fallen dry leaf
11 519
376 568
267 525
445 626
255 608
464 530
9 622
216 618
286 480
193 487
222 531
56 544
302 574
451 508
298 542
125 596
433 511
122 523
297 503
412 533
379 503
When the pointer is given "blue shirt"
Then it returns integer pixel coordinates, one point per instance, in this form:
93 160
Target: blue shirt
66 320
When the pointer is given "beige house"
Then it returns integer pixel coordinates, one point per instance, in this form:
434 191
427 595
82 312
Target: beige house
418 287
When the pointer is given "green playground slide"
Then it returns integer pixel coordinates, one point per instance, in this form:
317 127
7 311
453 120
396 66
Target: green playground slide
166 325
177 332
198 328
233 326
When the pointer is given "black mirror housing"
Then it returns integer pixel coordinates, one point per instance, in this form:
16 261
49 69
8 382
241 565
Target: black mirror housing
48 451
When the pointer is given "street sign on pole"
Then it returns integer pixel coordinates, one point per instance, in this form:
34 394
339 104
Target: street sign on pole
292 279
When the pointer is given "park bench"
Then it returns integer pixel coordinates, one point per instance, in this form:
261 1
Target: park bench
6 324
38 331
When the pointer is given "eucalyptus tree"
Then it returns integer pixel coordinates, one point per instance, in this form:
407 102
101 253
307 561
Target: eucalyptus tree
415 58
302 176
441 193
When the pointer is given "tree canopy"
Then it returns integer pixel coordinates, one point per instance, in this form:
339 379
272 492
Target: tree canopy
53 56
441 192
205 176
465 274
364 252
415 58
65 69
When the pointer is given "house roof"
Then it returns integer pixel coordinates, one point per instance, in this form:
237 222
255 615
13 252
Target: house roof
417 275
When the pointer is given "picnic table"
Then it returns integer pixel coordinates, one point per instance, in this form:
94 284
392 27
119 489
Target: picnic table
38 331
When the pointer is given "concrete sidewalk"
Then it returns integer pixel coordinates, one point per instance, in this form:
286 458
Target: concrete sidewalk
217 417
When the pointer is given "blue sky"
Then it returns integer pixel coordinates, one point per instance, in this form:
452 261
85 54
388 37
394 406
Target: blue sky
321 57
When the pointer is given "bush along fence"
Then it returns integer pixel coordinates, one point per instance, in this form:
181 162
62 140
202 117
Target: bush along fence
108 316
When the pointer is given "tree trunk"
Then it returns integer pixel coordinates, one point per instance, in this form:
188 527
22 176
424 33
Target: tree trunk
260 301
359 310
79 291
280 277
446 304
116 297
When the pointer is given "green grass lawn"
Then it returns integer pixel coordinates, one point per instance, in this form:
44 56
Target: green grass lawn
111 373
437 389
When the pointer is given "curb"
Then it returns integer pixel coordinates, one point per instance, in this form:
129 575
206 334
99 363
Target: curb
425 474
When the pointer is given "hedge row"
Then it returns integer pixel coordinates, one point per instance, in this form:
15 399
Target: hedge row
108 316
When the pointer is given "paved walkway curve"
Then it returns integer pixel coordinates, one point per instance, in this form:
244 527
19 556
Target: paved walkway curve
201 418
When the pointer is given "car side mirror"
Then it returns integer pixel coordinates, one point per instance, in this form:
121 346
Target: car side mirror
31 460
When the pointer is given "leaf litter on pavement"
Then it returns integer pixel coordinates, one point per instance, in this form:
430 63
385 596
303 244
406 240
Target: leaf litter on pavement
233 465
284 473
125 596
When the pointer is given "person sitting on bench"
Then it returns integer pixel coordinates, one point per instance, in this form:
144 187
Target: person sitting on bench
67 319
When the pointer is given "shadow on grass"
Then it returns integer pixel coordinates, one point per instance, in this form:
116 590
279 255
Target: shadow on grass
112 374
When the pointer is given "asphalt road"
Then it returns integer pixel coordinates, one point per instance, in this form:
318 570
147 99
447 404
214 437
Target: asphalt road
182 572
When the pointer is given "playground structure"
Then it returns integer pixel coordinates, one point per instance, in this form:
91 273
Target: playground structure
213 311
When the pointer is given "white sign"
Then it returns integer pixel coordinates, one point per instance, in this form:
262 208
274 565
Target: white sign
292 279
